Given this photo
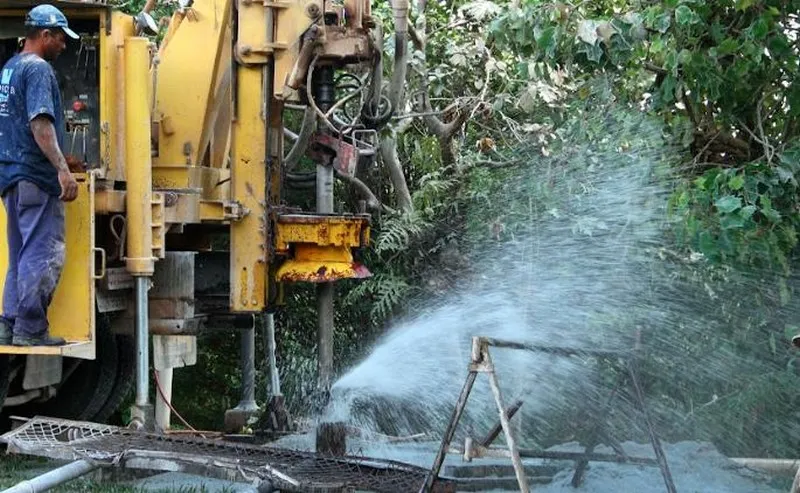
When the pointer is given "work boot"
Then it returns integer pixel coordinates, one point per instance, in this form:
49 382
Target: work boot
6 332
44 340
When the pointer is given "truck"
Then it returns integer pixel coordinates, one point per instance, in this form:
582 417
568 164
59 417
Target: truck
184 218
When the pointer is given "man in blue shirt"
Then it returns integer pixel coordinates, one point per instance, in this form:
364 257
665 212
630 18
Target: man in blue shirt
35 180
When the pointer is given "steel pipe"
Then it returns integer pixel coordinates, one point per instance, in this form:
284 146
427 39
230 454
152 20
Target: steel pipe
248 402
324 88
275 380
53 478
142 347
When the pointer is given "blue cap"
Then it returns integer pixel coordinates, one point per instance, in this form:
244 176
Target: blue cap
47 16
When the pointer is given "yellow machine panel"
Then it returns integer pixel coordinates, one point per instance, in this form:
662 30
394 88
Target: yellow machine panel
183 138
72 312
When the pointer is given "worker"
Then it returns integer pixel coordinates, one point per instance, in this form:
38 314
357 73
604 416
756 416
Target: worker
34 179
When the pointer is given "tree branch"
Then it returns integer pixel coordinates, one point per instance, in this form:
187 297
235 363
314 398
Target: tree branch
372 201
401 25
416 40
655 68
388 152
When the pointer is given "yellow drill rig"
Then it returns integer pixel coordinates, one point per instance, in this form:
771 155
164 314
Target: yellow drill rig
182 221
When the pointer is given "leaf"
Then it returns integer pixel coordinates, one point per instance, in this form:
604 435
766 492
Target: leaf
605 30
663 22
728 204
731 222
671 62
771 214
707 244
736 183
767 210
593 52
785 175
668 88
656 44
759 29
633 18
685 16
747 211
481 9
459 60
546 40
527 100
684 57
744 4
728 46
779 45
587 31
700 182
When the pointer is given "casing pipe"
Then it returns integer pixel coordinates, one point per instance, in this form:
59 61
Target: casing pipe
142 346
138 199
53 478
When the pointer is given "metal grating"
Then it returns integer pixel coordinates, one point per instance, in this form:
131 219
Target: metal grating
287 470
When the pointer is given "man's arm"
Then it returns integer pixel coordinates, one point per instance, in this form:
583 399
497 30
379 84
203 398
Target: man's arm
45 135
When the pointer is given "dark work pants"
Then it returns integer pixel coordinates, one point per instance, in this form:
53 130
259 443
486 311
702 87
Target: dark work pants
36 250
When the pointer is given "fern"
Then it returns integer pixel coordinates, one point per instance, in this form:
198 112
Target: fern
384 291
390 291
433 191
398 231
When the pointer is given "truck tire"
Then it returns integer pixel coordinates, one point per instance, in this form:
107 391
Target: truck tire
123 383
5 382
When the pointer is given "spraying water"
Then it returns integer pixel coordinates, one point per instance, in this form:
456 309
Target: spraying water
572 270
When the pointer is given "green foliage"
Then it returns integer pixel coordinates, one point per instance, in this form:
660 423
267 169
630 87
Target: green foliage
726 66
133 7
397 231
383 293
742 216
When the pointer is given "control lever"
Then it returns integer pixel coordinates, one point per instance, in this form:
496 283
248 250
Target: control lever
88 49
85 156
74 133
83 129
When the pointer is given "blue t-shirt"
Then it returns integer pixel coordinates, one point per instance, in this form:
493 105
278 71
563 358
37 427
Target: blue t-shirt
28 88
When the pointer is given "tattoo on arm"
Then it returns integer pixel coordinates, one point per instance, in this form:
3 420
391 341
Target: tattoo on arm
45 135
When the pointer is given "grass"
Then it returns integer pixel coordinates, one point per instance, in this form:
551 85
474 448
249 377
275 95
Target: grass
14 469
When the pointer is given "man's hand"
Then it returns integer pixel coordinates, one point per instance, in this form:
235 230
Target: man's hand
69 187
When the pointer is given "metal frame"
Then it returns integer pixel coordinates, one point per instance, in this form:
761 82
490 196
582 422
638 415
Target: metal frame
95 445
481 362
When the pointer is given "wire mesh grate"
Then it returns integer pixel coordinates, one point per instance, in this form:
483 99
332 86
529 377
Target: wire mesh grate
288 470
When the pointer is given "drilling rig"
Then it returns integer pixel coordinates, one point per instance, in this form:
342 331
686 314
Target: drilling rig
182 221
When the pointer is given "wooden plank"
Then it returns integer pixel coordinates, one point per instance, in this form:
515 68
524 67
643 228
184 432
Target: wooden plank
74 349
174 351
